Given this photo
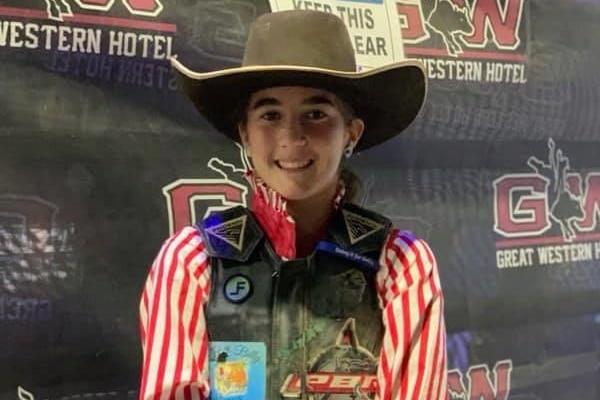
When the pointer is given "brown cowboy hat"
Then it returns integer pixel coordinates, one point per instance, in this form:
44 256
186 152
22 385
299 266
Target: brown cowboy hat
309 48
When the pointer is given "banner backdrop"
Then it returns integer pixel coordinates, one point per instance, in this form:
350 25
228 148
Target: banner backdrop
101 158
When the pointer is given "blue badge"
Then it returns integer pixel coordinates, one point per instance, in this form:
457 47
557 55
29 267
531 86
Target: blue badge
237 370
360 259
237 288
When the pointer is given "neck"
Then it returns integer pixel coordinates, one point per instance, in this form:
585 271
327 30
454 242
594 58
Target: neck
311 216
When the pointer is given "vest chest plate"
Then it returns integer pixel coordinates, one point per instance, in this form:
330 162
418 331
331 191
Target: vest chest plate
318 317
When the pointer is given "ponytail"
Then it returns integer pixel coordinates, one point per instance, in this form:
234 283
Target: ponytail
351 182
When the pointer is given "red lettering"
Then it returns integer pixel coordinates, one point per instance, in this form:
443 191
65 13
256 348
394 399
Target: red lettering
574 184
456 385
103 5
149 8
520 205
370 384
345 383
411 21
331 382
291 384
183 196
319 379
481 386
502 23
591 203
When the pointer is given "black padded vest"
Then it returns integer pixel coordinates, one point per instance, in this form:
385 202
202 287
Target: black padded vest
318 316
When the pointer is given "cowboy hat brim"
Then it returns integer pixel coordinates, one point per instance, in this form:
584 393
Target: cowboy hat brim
387 98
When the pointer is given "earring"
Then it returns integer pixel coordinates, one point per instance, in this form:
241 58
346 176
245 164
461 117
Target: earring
247 151
348 151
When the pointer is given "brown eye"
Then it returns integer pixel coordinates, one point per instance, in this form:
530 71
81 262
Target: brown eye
270 116
315 114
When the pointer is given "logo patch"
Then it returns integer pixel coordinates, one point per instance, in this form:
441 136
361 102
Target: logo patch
237 370
345 368
548 215
231 232
359 227
237 289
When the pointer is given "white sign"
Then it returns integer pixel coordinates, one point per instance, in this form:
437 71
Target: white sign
374 26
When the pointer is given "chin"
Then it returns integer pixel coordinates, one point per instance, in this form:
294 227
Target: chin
294 193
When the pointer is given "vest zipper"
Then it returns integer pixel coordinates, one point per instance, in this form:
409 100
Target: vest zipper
275 337
305 307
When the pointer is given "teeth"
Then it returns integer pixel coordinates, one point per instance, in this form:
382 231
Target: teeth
294 164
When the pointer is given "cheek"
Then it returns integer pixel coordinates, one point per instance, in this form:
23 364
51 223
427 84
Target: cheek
259 142
332 143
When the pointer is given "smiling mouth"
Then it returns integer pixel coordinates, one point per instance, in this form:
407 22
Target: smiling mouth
294 165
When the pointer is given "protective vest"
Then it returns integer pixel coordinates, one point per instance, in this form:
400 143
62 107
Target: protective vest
316 319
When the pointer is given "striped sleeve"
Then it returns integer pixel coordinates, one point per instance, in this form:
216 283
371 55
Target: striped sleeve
172 325
413 355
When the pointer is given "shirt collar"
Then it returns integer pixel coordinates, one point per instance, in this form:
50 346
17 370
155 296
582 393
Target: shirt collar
270 208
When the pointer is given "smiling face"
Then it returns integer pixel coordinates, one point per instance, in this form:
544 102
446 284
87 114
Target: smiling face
296 137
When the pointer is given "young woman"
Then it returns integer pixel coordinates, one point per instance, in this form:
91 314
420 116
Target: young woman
306 295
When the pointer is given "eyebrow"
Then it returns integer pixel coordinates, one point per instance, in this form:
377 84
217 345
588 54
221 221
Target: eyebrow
266 101
271 101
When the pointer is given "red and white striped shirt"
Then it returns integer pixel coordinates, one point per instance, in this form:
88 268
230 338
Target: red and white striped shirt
412 363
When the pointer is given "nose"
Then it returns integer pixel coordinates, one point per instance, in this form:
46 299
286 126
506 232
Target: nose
291 133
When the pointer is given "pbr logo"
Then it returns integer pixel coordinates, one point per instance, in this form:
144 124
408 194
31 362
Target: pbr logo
345 370
548 205
472 40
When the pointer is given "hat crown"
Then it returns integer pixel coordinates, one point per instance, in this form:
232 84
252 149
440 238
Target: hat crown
300 38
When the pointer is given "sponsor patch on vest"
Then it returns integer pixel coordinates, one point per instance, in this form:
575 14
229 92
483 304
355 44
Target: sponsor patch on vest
238 288
359 227
231 231
345 368
237 370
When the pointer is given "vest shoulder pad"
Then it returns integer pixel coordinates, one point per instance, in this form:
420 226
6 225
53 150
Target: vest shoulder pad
358 229
231 234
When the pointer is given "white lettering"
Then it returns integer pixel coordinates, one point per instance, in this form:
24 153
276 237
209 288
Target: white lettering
115 43
15 30
31 31
48 30
565 253
514 258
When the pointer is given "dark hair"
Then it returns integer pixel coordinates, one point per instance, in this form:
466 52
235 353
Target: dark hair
352 182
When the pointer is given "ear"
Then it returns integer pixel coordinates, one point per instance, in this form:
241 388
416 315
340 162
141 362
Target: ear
356 128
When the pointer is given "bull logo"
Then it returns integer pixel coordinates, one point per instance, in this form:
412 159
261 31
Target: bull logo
565 207
450 21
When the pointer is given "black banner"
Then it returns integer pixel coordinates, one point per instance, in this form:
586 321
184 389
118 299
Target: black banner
101 158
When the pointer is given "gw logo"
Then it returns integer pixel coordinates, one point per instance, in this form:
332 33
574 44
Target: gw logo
460 24
189 200
58 9
530 204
